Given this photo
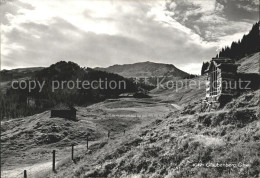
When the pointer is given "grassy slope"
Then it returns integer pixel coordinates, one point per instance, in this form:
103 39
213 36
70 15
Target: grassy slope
152 146
172 146
27 143
190 92
249 64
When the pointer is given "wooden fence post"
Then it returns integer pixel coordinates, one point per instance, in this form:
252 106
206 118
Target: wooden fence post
53 160
25 174
87 141
72 152
108 134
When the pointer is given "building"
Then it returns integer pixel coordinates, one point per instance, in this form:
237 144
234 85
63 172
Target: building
221 84
64 111
126 95
31 102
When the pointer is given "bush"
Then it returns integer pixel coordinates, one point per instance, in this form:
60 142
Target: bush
241 118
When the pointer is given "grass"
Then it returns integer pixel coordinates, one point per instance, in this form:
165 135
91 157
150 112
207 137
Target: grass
181 144
174 146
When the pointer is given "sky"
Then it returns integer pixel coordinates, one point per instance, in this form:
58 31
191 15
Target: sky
101 33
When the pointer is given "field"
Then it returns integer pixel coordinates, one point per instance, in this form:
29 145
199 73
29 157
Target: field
27 143
158 140
167 135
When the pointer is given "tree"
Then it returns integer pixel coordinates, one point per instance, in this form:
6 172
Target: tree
204 67
249 44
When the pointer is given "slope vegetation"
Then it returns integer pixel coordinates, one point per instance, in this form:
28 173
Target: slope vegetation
186 142
223 143
249 64
27 142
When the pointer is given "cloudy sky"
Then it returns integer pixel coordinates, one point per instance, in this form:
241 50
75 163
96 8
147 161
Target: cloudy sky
103 32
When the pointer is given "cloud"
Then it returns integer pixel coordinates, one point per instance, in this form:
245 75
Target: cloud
9 9
240 10
103 33
125 32
63 41
248 8
214 20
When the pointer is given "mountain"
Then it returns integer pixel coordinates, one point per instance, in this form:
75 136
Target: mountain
145 69
100 85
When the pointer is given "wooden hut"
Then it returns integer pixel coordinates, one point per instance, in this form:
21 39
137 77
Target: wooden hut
221 80
64 111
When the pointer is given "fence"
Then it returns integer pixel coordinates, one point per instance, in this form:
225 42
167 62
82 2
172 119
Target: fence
54 170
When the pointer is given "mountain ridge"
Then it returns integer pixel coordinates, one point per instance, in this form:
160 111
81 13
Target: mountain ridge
145 69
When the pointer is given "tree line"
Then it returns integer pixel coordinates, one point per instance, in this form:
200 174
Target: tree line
249 44
14 103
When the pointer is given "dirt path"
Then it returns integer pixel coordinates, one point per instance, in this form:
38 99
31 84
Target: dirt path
177 106
32 170
38 163
44 168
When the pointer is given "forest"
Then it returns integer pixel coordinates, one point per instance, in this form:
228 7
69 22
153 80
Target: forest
14 103
249 44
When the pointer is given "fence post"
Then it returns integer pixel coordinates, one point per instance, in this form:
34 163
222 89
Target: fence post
25 174
72 152
53 160
124 132
87 141
108 134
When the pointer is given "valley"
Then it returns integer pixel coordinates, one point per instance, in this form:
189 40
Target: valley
130 89
28 142
168 134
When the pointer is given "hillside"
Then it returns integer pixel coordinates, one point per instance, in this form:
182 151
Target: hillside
27 142
7 75
145 69
167 135
242 49
187 142
184 143
189 91
159 140
249 64
181 145
249 44
16 74
13 102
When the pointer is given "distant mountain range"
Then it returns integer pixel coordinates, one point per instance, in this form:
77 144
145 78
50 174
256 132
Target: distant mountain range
140 69
7 75
145 69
